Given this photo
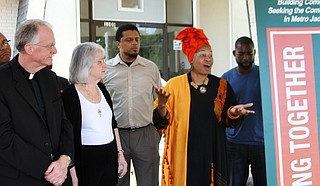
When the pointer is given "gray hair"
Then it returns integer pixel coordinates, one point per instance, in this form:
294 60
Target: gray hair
81 61
27 32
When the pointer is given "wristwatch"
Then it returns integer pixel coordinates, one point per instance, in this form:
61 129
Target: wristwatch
71 164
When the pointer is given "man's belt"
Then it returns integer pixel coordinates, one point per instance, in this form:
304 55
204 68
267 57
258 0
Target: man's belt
133 129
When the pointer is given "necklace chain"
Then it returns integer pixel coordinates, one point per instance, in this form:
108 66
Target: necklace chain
92 96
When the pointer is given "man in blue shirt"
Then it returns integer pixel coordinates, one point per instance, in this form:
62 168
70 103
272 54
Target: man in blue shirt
245 145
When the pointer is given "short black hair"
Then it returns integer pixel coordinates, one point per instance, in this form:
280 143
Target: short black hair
244 40
124 28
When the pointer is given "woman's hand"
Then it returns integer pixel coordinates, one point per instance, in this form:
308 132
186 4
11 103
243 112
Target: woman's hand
163 97
123 166
241 109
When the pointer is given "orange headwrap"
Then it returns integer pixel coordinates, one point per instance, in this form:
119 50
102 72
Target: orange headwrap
192 40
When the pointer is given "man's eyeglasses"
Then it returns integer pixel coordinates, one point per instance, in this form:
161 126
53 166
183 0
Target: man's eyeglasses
49 46
4 43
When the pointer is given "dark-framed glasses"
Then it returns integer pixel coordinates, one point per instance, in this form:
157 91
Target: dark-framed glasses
4 43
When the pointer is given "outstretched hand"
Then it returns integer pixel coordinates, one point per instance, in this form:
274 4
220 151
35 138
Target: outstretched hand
163 97
242 109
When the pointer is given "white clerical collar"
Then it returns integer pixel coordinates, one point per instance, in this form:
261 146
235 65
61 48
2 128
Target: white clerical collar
31 76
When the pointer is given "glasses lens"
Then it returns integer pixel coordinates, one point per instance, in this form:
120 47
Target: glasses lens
4 43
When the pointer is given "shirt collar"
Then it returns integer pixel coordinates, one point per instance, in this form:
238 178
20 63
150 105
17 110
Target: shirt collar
117 60
26 74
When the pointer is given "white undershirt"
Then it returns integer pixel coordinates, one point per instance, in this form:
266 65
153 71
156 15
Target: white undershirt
95 130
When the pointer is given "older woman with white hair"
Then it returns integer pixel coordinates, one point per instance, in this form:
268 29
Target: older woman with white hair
99 156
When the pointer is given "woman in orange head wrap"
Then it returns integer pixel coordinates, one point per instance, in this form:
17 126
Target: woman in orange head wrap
193 39
193 111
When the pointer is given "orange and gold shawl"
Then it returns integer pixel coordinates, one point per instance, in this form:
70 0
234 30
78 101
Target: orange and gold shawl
174 164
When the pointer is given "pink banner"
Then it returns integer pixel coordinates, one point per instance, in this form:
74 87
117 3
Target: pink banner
294 105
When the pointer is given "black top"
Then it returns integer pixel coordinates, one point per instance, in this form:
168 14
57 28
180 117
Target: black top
206 135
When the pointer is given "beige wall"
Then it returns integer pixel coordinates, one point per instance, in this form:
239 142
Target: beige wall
67 32
239 23
214 19
223 22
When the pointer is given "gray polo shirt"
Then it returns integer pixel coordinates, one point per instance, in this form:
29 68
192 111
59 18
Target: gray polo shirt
131 90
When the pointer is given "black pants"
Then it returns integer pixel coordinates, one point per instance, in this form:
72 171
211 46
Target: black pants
242 156
98 165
